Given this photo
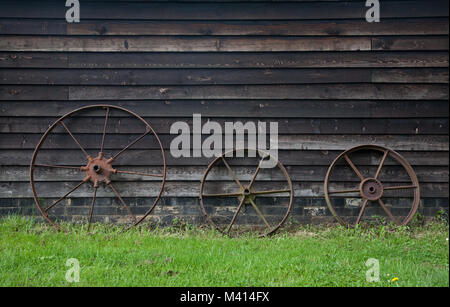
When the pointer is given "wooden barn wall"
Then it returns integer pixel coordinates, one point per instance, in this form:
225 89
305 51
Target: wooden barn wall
329 78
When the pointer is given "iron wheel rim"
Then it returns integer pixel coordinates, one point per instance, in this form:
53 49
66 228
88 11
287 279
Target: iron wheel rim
261 153
387 152
149 130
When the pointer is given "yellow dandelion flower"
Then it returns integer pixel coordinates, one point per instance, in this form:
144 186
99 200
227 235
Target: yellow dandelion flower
394 279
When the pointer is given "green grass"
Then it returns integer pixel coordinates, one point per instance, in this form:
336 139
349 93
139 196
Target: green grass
34 254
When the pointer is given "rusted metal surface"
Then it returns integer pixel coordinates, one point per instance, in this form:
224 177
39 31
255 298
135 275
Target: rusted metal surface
98 170
371 188
246 194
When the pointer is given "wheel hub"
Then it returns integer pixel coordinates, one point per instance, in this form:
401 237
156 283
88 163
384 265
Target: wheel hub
247 195
98 170
371 189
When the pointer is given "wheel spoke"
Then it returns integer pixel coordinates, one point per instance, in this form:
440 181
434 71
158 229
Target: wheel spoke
232 173
129 145
75 140
271 192
122 202
388 212
91 212
235 214
401 187
344 191
381 164
59 166
67 194
255 174
139 173
104 129
355 169
361 211
223 195
252 202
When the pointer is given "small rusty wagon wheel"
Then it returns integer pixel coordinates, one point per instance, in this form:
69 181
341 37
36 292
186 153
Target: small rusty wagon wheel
91 152
371 181
250 198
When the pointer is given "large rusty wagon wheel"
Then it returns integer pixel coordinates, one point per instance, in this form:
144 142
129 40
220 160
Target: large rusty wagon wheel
103 138
371 181
250 198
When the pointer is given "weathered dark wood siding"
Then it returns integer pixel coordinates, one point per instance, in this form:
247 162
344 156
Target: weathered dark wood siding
330 79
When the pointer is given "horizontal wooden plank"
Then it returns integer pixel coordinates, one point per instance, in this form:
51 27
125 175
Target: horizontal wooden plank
398 142
217 11
291 27
32 27
286 142
182 189
244 108
422 26
85 124
36 59
219 76
410 43
202 44
219 43
409 75
225 60
34 92
243 173
362 91
435 26
190 76
319 91
248 60
287 157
